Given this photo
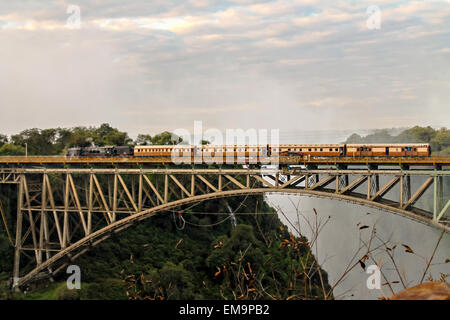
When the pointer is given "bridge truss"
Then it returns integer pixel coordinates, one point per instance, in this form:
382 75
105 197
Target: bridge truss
63 212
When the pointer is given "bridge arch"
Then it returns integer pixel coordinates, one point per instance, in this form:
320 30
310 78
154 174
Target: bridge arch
81 246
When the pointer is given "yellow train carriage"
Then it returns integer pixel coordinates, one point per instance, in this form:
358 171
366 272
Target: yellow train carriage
392 150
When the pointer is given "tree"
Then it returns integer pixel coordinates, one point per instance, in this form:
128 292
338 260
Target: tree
417 134
39 142
354 138
143 140
3 139
12 150
81 137
166 138
107 135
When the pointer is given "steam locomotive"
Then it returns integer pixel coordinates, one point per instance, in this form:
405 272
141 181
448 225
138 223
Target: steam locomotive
107 151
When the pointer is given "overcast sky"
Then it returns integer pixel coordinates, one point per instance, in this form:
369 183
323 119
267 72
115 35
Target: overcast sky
156 65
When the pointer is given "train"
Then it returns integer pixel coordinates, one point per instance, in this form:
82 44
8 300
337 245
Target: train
106 151
231 151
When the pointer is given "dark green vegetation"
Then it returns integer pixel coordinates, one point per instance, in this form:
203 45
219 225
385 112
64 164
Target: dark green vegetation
195 256
57 141
438 139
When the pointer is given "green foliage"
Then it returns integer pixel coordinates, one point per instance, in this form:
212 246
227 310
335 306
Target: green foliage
106 289
143 140
11 150
242 239
170 282
55 141
3 139
166 138
417 134
38 141
106 135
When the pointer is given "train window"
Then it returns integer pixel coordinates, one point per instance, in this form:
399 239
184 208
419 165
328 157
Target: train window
331 149
415 149
336 149
309 149
321 149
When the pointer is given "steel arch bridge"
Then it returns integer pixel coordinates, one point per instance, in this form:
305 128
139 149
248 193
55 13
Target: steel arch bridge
63 212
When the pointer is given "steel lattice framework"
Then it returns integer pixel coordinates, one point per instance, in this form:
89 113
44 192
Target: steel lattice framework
62 212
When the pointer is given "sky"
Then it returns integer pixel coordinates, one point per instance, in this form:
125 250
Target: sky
298 66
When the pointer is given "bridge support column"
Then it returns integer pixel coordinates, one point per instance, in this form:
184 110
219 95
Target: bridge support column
408 187
140 193
18 244
402 189
166 188
192 185
90 203
438 198
114 197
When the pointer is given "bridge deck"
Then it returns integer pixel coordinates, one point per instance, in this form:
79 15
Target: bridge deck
8 160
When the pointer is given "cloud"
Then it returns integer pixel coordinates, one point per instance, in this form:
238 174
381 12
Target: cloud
147 65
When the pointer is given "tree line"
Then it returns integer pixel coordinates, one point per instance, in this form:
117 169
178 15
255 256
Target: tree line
56 141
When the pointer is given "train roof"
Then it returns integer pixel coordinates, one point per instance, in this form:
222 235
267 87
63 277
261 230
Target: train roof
388 144
242 145
318 145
